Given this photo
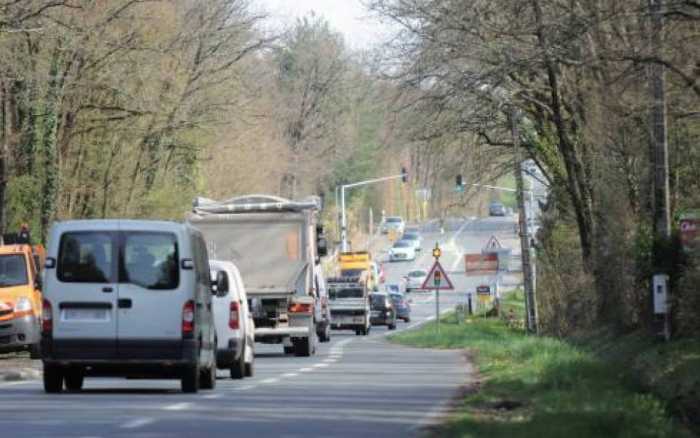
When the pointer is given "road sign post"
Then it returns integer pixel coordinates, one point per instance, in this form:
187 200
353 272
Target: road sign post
437 279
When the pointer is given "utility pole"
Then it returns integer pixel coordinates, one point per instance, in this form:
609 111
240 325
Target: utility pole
530 299
659 138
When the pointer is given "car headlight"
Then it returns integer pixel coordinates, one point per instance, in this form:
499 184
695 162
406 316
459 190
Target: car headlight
23 305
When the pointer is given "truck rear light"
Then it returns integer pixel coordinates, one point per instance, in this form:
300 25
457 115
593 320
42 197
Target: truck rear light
46 317
188 319
233 316
300 308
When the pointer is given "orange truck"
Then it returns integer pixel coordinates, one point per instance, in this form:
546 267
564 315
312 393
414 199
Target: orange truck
20 298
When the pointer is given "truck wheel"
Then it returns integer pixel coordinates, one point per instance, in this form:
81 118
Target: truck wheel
238 367
53 379
288 350
35 351
325 335
392 326
208 377
304 347
358 332
250 368
74 380
190 380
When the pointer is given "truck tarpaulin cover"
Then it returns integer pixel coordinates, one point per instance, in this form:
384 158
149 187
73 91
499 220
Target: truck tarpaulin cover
267 253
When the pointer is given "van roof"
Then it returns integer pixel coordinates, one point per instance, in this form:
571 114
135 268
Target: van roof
106 224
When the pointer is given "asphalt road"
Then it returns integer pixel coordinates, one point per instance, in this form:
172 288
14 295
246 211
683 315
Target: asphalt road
353 387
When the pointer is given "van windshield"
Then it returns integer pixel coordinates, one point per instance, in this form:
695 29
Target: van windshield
13 270
150 260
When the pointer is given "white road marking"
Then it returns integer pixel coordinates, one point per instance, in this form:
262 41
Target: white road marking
178 407
305 370
136 423
330 360
212 396
320 365
246 387
270 380
290 374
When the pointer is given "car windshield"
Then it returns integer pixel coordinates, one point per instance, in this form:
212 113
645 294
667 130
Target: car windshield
402 244
378 301
417 274
397 298
345 292
351 272
394 220
13 270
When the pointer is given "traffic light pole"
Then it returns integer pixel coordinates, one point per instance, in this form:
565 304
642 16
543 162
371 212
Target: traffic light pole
343 217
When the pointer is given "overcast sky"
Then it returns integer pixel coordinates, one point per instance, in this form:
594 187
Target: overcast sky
360 29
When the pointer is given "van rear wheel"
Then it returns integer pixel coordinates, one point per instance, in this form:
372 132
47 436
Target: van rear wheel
303 347
208 378
53 379
190 380
238 367
74 380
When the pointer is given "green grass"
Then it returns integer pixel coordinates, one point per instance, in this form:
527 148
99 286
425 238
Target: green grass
551 388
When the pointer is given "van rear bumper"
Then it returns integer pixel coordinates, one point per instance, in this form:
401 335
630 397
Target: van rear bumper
104 353
19 333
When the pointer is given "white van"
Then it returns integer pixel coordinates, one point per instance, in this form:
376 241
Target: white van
235 329
130 299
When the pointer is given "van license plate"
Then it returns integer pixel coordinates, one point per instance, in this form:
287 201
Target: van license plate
85 315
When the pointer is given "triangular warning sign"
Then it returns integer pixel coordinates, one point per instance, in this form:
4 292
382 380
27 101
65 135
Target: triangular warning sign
437 279
493 243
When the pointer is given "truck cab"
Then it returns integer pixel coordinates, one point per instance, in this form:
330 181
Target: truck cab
349 304
20 298
359 264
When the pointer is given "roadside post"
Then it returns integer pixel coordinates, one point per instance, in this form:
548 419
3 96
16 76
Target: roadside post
438 280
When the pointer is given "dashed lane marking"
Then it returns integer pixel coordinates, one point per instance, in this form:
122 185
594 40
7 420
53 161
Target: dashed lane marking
178 407
137 423
270 380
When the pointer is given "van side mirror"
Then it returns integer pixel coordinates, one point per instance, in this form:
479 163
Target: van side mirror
37 283
221 284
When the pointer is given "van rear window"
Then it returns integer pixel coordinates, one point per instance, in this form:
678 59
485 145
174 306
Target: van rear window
13 270
86 257
151 260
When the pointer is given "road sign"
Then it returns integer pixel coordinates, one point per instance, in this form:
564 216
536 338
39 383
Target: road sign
481 264
484 289
437 279
493 244
690 230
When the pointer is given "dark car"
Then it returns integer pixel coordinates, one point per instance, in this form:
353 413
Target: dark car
383 311
403 308
497 209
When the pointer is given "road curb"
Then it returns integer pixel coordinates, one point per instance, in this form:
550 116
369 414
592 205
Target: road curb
19 374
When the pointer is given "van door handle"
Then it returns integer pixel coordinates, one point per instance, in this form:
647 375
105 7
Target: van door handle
107 289
124 303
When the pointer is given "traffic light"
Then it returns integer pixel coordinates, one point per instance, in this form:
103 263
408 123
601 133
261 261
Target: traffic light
458 180
404 174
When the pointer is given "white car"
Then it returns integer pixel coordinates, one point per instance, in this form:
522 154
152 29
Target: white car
402 250
415 279
414 238
395 223
235 330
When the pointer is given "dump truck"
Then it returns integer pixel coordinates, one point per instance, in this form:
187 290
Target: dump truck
276 244
358 264
349 302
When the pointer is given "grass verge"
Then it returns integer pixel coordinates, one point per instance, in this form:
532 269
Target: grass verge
541 387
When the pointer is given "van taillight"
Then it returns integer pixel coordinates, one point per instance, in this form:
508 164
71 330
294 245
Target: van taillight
46 317
188 319
300 308
233 316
